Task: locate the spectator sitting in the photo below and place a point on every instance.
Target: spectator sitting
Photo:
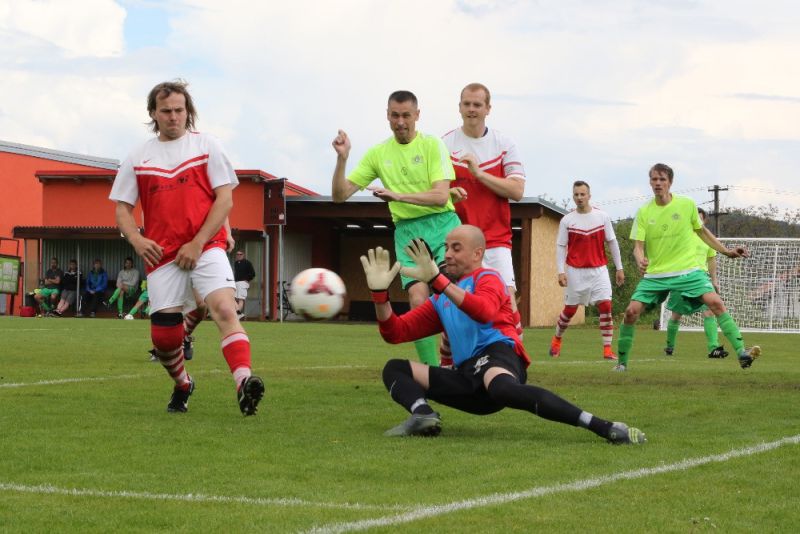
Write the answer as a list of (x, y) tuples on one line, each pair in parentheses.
[(47, 297), (127, 280), (69, 288), (96, 284), (143, 298)]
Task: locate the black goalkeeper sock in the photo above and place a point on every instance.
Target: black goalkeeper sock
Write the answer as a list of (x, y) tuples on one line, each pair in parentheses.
[(507, 390), (399, 381)]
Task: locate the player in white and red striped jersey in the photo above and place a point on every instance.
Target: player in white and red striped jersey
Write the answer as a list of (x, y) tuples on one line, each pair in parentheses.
[(184, 182), (489, 173), (582, 266)]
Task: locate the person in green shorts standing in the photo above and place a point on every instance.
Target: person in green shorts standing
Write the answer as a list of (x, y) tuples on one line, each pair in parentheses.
[(679, 306), (663, 234), (415, 171)]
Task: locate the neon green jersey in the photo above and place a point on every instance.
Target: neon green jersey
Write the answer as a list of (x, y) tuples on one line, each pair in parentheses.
[(704, 253), (409, 168), (669, 236)]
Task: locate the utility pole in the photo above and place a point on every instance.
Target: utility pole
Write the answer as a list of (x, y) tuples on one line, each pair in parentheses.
[(716, 189)]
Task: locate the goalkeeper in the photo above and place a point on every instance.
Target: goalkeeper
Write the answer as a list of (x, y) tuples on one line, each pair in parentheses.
[(490, 362), (663, 232)]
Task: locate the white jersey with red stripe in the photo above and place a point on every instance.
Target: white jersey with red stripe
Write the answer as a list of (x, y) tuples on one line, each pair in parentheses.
[(584, 235), (175, 181), (497, 155)]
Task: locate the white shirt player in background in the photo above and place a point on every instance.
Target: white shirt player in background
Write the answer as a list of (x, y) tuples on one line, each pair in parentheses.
[(582, 266), (489, 173), (184, 182)]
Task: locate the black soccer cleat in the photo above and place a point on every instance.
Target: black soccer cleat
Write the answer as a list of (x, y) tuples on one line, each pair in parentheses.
[(250, 394), (746, 356), (188, 348), (179, 402), (426, 425), (719, 352), (669, 350)]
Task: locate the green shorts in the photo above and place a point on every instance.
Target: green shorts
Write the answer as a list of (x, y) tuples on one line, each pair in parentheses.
[(432, 228), (688, 288), (45, 292), (143, 296)]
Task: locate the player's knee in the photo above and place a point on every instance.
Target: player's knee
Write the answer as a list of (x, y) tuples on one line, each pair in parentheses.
[(570, 310), (502, 389), (604, 306), (632, 313), (166, 330), (393, 368)]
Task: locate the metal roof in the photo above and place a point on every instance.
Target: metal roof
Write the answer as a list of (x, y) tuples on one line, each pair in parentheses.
[(58, 155)]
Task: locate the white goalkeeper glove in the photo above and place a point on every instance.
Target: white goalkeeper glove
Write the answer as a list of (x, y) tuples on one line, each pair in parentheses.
[(425, 268), (380, 272)]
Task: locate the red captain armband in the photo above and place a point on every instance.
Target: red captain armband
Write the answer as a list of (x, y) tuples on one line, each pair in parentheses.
[(439, 283), (380, 297)]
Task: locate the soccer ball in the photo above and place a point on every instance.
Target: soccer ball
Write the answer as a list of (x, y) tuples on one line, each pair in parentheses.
[(317, 293)]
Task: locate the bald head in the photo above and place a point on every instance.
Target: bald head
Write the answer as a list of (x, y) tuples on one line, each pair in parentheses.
[(465, 245)]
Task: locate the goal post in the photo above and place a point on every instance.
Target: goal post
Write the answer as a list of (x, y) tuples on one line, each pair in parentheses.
[(762, 292)]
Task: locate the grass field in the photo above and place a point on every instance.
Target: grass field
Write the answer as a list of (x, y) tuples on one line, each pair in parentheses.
[(87, 445)]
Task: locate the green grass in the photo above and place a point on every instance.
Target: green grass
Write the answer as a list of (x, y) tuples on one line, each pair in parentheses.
[(318, 437)]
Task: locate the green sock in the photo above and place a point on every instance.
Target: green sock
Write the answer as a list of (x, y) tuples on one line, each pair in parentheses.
[(672, 332), (428, 350), (731, 331), (114, 296), (120, 303), (46, 306), (625, 342), (710, 327)]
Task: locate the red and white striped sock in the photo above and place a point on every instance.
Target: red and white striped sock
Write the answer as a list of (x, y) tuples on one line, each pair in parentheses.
[(563, 319), (236, 350), (168, 343), (606, 322), (445, 352), (191, 320), (518, 323)]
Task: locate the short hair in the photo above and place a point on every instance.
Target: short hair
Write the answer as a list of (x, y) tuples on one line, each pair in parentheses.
[(475, 86), (129, 259), (73, 260), (702, 212), (54, 259), (579, 183), (662, 167), (98, 260), (403, 96), (163, 90)]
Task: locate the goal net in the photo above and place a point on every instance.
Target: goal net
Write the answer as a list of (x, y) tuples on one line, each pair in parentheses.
[(762, 292)]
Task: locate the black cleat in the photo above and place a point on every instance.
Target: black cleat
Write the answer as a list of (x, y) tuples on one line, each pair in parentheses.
[(747, 356), (669, 350), (188, 348), (719, 352), (250, 394), (179, 402), (153, 356)]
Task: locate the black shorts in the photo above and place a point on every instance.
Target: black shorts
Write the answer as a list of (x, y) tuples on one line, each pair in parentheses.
[(463, 388)]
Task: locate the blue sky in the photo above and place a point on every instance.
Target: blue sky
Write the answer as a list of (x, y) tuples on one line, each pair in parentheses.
[(594, 90)]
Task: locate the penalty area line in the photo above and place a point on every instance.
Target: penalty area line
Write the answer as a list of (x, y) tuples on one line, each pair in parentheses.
[(494, 499), (46, 489)]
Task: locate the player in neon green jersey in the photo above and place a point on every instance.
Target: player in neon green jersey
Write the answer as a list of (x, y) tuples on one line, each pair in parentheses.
[(663, 233), (707, 258), (416, 172)]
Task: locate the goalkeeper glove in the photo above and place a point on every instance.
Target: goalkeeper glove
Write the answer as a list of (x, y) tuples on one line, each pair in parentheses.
[(380, 273), (425, 268)]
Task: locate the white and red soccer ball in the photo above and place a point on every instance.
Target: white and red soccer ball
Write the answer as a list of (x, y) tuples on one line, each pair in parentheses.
[(317, 293)]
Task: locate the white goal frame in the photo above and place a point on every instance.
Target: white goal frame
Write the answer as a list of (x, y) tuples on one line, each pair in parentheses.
[(762, 292)]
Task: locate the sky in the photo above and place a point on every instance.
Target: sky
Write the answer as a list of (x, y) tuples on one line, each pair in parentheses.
[(596, 90)]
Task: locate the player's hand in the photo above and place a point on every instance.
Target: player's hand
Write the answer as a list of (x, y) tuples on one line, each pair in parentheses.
[(458, 194), (230, 244), (341, 144), (738, 252), (384, 194), (147, 249), (620, 276), (425, 268), (562, 279), (378, 268), (472, 163), (188, 255), (643, 263)]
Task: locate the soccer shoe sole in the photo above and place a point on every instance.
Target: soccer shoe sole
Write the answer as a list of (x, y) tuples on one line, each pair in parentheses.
[(429, 425), (250, 394), (752, 353)]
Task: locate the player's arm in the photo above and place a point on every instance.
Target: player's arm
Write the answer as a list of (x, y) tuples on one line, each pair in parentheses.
[(712, 241), (437, 195), (712, 272), (638, 254), (190, 252), (511, 187), (341, 187), (616, 257), (561, 262), (147, 249), (230, 241)]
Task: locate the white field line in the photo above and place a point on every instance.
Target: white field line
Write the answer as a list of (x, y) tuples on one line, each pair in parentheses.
[(46, 489), (594, 362), (58, 381), (578, 485)]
